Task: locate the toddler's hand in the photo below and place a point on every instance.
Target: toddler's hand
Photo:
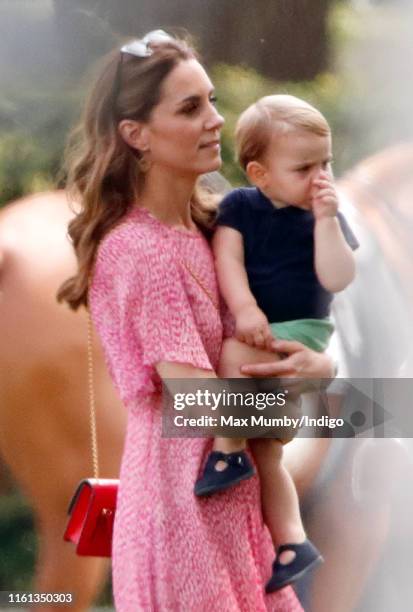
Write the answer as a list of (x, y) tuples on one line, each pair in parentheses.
[(325, 199), (251, 327)]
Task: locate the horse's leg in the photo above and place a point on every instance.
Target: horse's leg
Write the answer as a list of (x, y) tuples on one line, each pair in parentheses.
[(48, 451), (48, 487), (59, 569)]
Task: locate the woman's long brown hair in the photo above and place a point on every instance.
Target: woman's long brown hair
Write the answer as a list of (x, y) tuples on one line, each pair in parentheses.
[(103, 173)]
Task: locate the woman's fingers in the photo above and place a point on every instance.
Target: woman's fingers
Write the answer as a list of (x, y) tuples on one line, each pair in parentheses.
[(299, 362), (287, 346), (275, 368), (259, 339), (269, 342)]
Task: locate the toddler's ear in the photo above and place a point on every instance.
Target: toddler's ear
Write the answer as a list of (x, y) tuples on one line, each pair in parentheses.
[(257, 174)]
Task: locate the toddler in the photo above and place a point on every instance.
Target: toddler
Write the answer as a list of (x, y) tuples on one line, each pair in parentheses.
[(281, 249)]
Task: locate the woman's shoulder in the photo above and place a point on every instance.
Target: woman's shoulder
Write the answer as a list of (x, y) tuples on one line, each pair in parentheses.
[(134, 239)]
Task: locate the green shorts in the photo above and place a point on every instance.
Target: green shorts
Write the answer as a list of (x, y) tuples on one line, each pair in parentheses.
[(314, 333)]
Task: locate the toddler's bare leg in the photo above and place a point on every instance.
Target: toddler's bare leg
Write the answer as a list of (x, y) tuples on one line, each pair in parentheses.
[(234, 354), (279, 499)]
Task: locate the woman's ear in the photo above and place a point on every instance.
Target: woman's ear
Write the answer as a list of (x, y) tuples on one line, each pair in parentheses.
[(257, 174), (135, 134)]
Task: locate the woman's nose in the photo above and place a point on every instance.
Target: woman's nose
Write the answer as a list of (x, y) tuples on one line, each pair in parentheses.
[(215, 121)]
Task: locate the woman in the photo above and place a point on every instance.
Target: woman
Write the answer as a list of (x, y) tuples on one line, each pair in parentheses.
[(150, 129)]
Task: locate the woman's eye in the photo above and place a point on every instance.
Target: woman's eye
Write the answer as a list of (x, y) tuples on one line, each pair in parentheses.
[(193, 107), (190, 109), (303, 169)]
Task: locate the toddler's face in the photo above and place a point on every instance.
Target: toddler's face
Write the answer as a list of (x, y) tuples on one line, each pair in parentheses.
[(293, 161)]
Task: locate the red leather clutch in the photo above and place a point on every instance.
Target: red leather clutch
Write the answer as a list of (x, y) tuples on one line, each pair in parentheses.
[(92, 512)]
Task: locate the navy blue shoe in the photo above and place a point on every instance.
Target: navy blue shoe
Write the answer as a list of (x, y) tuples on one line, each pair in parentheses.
[(239, 467), (306, 557)]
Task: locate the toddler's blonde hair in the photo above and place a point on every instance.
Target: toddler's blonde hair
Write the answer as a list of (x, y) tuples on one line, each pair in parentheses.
[(278, 113)]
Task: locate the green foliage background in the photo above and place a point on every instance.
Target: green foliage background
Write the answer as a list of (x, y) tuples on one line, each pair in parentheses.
[(39, 102), (18, 543)]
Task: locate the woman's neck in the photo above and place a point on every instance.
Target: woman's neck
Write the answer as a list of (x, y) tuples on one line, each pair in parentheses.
[(168, 196)]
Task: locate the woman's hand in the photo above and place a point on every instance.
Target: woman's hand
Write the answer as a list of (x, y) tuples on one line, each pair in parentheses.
[(299, 362)]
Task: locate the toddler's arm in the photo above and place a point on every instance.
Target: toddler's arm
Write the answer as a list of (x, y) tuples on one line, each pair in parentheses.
[(251, 324), (334, 260)]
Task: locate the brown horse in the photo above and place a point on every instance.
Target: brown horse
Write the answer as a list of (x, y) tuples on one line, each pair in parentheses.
[(44, 434), (44, 430)]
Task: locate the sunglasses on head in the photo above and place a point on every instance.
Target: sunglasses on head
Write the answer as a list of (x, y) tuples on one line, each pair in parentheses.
[(143, 47), (140, 47)]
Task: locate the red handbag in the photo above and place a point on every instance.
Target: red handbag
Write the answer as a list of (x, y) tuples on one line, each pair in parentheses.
[(92, 512), (92, 508)]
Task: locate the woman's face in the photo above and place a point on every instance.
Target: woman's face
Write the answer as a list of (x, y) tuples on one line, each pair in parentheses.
[(183, 132)]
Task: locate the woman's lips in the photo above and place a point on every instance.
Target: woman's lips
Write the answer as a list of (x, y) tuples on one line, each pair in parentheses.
[(214, 144)]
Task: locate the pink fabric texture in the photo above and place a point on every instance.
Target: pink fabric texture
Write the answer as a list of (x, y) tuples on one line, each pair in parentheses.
[(172, 552)]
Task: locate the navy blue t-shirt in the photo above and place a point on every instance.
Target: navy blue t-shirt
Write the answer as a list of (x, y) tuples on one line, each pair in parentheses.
[(279, 254)]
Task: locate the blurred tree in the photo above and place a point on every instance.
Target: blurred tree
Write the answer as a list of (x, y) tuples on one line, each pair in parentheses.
[(82, 33), (18, 543), (283, 39), (5, 479)]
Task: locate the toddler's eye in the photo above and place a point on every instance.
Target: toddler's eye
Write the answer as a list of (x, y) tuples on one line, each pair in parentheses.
[(213, 100), (303, 170)]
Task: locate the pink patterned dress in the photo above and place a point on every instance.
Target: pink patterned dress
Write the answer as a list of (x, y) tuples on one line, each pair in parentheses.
[(172, 552)]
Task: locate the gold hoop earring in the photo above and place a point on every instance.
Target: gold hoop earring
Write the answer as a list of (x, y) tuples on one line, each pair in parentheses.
[(144, 162)]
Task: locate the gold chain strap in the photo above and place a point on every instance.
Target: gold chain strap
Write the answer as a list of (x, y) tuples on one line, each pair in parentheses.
[(92, 402), (200, 283)]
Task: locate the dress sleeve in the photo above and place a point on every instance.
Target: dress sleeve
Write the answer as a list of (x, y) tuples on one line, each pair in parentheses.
[(348, 232), (227, 318), (161, 314)]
